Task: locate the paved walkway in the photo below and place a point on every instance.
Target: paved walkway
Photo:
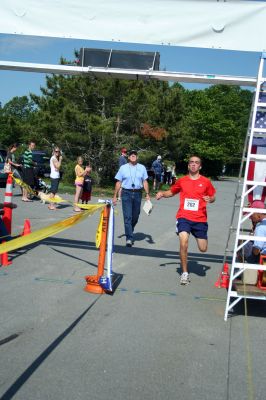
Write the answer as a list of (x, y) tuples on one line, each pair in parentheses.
[(152, 339)]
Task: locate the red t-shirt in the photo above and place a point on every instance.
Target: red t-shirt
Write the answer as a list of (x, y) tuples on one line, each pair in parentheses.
[(192, 206)]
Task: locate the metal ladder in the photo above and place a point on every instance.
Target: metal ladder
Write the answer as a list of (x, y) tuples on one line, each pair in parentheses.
[(256, 134)]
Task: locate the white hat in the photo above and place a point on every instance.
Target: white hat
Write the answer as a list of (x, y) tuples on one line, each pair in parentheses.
[(159, 157)]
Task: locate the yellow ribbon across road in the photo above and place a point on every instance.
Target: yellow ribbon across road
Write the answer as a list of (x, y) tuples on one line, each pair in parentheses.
[(50, 230)]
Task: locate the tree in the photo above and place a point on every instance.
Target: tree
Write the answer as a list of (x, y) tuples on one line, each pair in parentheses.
[(96, 117), (16, 119), (215, 125)]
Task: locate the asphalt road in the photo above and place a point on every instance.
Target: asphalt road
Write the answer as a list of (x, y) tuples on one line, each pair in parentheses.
[(152, 339)]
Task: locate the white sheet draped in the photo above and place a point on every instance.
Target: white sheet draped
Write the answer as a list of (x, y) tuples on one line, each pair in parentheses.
[(233, 25)]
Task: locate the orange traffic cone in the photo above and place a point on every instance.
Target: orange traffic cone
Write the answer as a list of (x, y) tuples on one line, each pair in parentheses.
[(223, 280), (7, 217), (225, 277), (26, 229), (4, 259), (93, 285), (218, 282)]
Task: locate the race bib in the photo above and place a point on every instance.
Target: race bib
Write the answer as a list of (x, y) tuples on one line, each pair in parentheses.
[(191, 204)]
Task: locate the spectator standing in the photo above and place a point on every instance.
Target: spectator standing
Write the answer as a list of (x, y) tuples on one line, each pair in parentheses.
[(173, 174), (157, 168), (168, 174), (55, 165), (196, 192), (132, 178), (123, 157), (87, 186), (11, 159), (80, 173), (28, 170)]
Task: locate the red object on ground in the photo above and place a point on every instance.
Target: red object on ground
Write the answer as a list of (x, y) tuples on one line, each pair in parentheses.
[(4, 259), (27, 228), (261, 274), (223, 280)]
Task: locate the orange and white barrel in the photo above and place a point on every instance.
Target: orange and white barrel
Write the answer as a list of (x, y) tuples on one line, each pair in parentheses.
[(7, 217)]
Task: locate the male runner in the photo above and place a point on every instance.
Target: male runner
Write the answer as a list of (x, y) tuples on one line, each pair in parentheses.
[(195, 192)]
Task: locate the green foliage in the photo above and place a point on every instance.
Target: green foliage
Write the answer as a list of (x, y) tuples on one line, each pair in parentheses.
[(95, 118), (215, 124)]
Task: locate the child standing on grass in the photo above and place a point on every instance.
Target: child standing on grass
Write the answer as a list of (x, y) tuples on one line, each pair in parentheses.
[(87, 186)]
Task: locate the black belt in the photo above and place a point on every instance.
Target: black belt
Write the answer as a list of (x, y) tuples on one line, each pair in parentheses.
[(132, 190)]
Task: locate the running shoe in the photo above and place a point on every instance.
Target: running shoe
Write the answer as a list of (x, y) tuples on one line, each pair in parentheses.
[(184, 278)]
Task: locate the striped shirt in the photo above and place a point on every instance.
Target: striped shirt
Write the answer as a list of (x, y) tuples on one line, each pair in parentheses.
[(27, 159)]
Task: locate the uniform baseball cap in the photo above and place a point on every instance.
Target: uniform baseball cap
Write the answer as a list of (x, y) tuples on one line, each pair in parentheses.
[(257, 204), (133, 152), (159, 157)]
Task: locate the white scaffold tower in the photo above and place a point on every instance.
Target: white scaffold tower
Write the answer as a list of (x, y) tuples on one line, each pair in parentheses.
[(253, 187)]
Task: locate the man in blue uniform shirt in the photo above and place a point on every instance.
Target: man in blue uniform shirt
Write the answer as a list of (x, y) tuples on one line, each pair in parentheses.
[(132, 178), (253, 249)]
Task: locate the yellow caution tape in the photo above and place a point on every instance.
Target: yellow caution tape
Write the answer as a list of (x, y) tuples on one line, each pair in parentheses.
[(23, 184), (44, 196), (56, 199), (98, 236), (50, 230)]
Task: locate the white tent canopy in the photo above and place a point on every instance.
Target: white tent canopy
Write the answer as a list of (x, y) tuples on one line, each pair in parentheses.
[(232, 25)]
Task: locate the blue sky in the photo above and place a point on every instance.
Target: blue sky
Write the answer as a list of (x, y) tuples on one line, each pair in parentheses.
[(49, 50)]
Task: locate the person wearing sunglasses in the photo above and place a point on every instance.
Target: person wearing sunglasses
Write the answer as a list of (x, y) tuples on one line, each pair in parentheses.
[(55, 165)]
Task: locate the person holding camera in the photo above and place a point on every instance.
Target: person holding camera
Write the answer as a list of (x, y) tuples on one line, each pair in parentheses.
[(55, 165)]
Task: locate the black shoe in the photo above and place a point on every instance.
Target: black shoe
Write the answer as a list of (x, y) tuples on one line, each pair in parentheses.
[(129, 243)]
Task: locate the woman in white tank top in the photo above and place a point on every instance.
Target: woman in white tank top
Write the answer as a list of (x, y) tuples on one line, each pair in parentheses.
[(55, 165)]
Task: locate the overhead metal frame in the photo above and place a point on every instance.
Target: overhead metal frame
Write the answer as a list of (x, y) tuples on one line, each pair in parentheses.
[(120, 73)]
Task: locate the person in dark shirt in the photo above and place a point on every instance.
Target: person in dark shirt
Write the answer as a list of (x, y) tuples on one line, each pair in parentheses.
[(87, 186), (11, 159), (123, 157), (157, 168)]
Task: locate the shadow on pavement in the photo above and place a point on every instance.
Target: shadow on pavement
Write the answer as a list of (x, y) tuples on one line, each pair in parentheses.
[(116, 280), (195, 268), (255, 308), (136, 251), (22, 379), (75, 257)]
